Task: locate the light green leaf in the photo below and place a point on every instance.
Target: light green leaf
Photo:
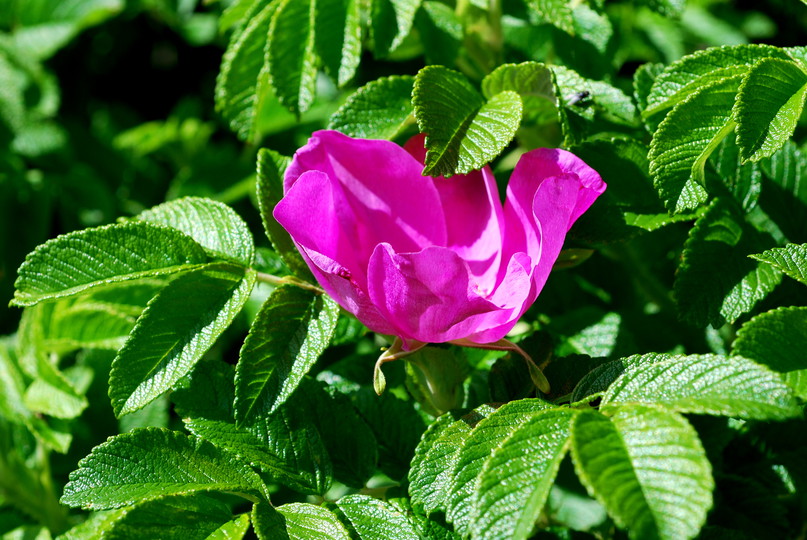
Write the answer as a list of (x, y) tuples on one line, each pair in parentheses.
[(743, 180), (52, 394), (611, 102), (101, 257), (488, 435), (778, 339), (668, 8), (291, 54), (705, 384), (555, 12), (310, 522), (516, 479), (390, 23), (378, 110), (338, 37), (686, 138), (150, 463), (292, 329), (790, 259), (240, 85), (648, 468), (716, 281), (271, 167), (214, 225), (177, 327), (437, 454), (532, 81), (684, 77), (177, 517), (463, 131), (769, 105), (374, 519), (600, 378), (232, 530)]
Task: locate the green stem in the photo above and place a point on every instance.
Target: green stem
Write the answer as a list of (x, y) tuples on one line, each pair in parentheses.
[(277, 281)]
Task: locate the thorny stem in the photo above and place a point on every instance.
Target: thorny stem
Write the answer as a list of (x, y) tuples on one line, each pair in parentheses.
[(288, 280)]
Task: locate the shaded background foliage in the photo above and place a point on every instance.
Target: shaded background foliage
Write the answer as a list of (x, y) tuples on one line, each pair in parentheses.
[(108, 108)]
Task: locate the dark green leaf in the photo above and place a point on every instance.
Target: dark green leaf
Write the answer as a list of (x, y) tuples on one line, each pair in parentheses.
[(649, 469), (151, 463), (743, 180), (101, 257), (177, 327), (390, 23), (778, 340), (768, 106), (378, 110), (790, 259), (784, 194), (292, 329), (440, 30), (291, 54), (463, 130), (338, 37)]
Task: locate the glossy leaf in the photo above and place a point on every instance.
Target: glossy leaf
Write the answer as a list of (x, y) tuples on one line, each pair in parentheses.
[(307, 521), (375, 519), (790, 259), (338, 37), (377, 110), (292, 55), (390, 23)]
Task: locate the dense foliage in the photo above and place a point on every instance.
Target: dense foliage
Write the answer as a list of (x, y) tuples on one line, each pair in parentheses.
[(170, 369)]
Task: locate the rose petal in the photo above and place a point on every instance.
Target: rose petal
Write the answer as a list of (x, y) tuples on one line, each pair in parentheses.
[(382, 189)]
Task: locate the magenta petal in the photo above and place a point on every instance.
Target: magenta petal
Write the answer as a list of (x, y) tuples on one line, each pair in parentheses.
[(429, 295), (382, 189)]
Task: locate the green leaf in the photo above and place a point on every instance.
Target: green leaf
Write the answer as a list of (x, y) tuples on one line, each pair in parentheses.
[(743, 180), (532, 81), (769, 105), (777, 340), (390, 23), (463, 130), (292, 55), (52, 394), (240, 85), (600, 378), (790, 259), (375, 519), (441, 32), (516, 479), (668, 8), (556, 12), (101, 257), (177, 327), (307, 521), (784, 195), (716, 281), (705, 384), (338, 37), (287, 336), (150, 463), (488, 435), (214, 225), (178, 517), (647, 467), (271, 167), (377, 110), (677, 157), (437, 454), (684, 77)]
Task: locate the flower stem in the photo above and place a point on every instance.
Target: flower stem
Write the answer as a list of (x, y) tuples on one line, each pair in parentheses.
[(277, 281)]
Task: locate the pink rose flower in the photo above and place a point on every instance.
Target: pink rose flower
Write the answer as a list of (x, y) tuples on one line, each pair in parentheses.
[(430, 259)]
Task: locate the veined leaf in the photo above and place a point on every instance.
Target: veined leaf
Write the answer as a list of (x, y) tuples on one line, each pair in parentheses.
[(743, 180), (705, 384), (532, 81), (488, 435), (150, 463), (292, 329), (716, 281), (52, 394), (516, 479), (778, 339), (310, 522), (463, 131), (790, 259), (768, 106), (177, 517), (338, 37), (600, 378), (784, 197), (686, 138), (271, 167), (648, 468), (177, 327), (374, 519), (556, 12), (238, 87), (436, 456), (214, 225), (292, 55), (682, 78), (440, 30), (378, 110), (390, 23), (100, 257)]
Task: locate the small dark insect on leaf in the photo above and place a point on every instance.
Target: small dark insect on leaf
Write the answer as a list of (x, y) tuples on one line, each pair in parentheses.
[(578, 98)]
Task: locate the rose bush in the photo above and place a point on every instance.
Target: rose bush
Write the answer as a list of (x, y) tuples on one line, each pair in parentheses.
[(430, 259)]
